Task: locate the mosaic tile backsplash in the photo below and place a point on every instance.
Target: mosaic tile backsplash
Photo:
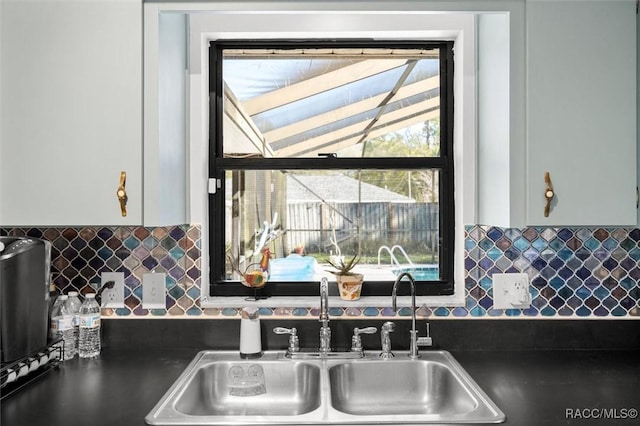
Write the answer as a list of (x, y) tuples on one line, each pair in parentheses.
[(574, 272)]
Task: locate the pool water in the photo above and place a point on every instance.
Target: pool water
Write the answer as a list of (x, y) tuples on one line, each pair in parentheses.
[(420, 272)]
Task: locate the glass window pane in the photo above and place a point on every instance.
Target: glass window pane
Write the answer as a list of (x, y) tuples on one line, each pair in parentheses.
[(388, 218), (297, 103)]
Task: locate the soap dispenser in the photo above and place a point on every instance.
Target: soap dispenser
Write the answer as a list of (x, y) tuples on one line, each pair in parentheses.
[(250, 341)]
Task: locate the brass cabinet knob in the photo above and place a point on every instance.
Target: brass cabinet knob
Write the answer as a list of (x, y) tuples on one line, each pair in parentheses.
[(121, 193)]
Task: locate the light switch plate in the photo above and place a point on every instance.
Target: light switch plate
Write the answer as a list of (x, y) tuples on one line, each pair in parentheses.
[(153, 290), (511, 291), (113, 297)]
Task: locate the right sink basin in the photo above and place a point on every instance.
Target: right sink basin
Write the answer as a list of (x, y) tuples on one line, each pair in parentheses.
[(398, 387), (433, 389)]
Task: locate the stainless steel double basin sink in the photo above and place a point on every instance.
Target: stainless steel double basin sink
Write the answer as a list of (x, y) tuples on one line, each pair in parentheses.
[(220, 388)]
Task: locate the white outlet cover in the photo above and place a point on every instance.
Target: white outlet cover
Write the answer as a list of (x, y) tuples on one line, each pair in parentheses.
[(113, 297), (511, 291), (153, 291)]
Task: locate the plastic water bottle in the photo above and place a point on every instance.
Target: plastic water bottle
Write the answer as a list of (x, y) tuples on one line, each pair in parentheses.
[(62, 326), (89, 344), (73, 305)]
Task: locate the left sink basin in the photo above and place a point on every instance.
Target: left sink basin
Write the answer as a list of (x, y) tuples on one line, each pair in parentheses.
[(220, 388)]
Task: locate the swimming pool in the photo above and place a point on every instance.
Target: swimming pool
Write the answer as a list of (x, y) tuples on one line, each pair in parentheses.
[(420, 272)]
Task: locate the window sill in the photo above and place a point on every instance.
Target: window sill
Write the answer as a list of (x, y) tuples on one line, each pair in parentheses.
[(334, 301)]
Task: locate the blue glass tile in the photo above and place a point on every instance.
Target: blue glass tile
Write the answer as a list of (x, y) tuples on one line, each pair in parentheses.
[(469, 244), (511, 254), (485, 244), (574, 263), (265, 312), (539, 302), (167, 262), (635, 234), (556, 283), (583, 273), (229, 312), (194, 311), (628, 303), (513, 312), (105, 233), (485, 264), (158, 312), (494, 234), (371, 312), (556, 263), (565, 311), (539, 282), (539, 244), (548, 311), (300, 312), (610, 303), (193, 292), (601, 254), (131, 243), (530, 312), (610, 264), (628, 244), (565, 293), (441, 312), (565, 254), (123, 312), (538, 263), (469, 264), (582, 254), (565, 273), (477, 312), (627, 283), (176, 292), (150, 263), (610, 244), (548, 273), (556, 244), (460, 312), (494, 253), (521, 244), (583, 292), (592, 244), (583, 311), (150, 243), (495, 312), (336, 312), (176, 253), (619, 312), (404, 312), (556, 302), (512, 233), (601, 293), (486, 283), (565, 234)]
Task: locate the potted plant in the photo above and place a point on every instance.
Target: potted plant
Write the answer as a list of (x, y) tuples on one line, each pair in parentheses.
[(349, 282)]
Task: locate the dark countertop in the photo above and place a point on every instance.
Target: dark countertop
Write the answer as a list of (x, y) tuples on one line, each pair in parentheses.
[(531, 387)]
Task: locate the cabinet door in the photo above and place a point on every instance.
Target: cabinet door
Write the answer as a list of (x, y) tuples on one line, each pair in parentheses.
[(71, 111), (581, 111)]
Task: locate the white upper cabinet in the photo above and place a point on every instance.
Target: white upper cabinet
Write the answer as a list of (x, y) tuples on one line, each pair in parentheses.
[(71, 117), (581, 112)]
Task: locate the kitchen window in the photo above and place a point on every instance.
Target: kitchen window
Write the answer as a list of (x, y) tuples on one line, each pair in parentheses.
[(331, 149)]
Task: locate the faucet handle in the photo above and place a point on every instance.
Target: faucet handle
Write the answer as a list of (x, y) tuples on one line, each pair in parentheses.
[(426, 340), (294, 342), (356, 342)]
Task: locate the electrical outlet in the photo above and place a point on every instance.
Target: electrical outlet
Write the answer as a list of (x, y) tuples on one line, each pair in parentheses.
[(153, 291), (113, 297), (511, 291)]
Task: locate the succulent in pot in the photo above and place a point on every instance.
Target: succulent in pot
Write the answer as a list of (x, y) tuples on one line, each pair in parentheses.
[(349, 282)]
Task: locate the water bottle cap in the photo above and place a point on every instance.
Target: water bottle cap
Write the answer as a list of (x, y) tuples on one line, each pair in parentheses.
[(63, 297), (73, 293), (90, 295)]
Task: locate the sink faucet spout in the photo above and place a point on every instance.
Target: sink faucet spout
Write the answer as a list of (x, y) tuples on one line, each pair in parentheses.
[(413, 349), (325, 331)]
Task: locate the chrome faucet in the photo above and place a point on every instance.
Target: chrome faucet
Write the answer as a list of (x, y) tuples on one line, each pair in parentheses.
[(325, 331), (385, 341), (415, 341)]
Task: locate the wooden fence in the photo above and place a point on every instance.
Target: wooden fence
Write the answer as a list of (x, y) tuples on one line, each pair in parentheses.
[(411, 225)]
